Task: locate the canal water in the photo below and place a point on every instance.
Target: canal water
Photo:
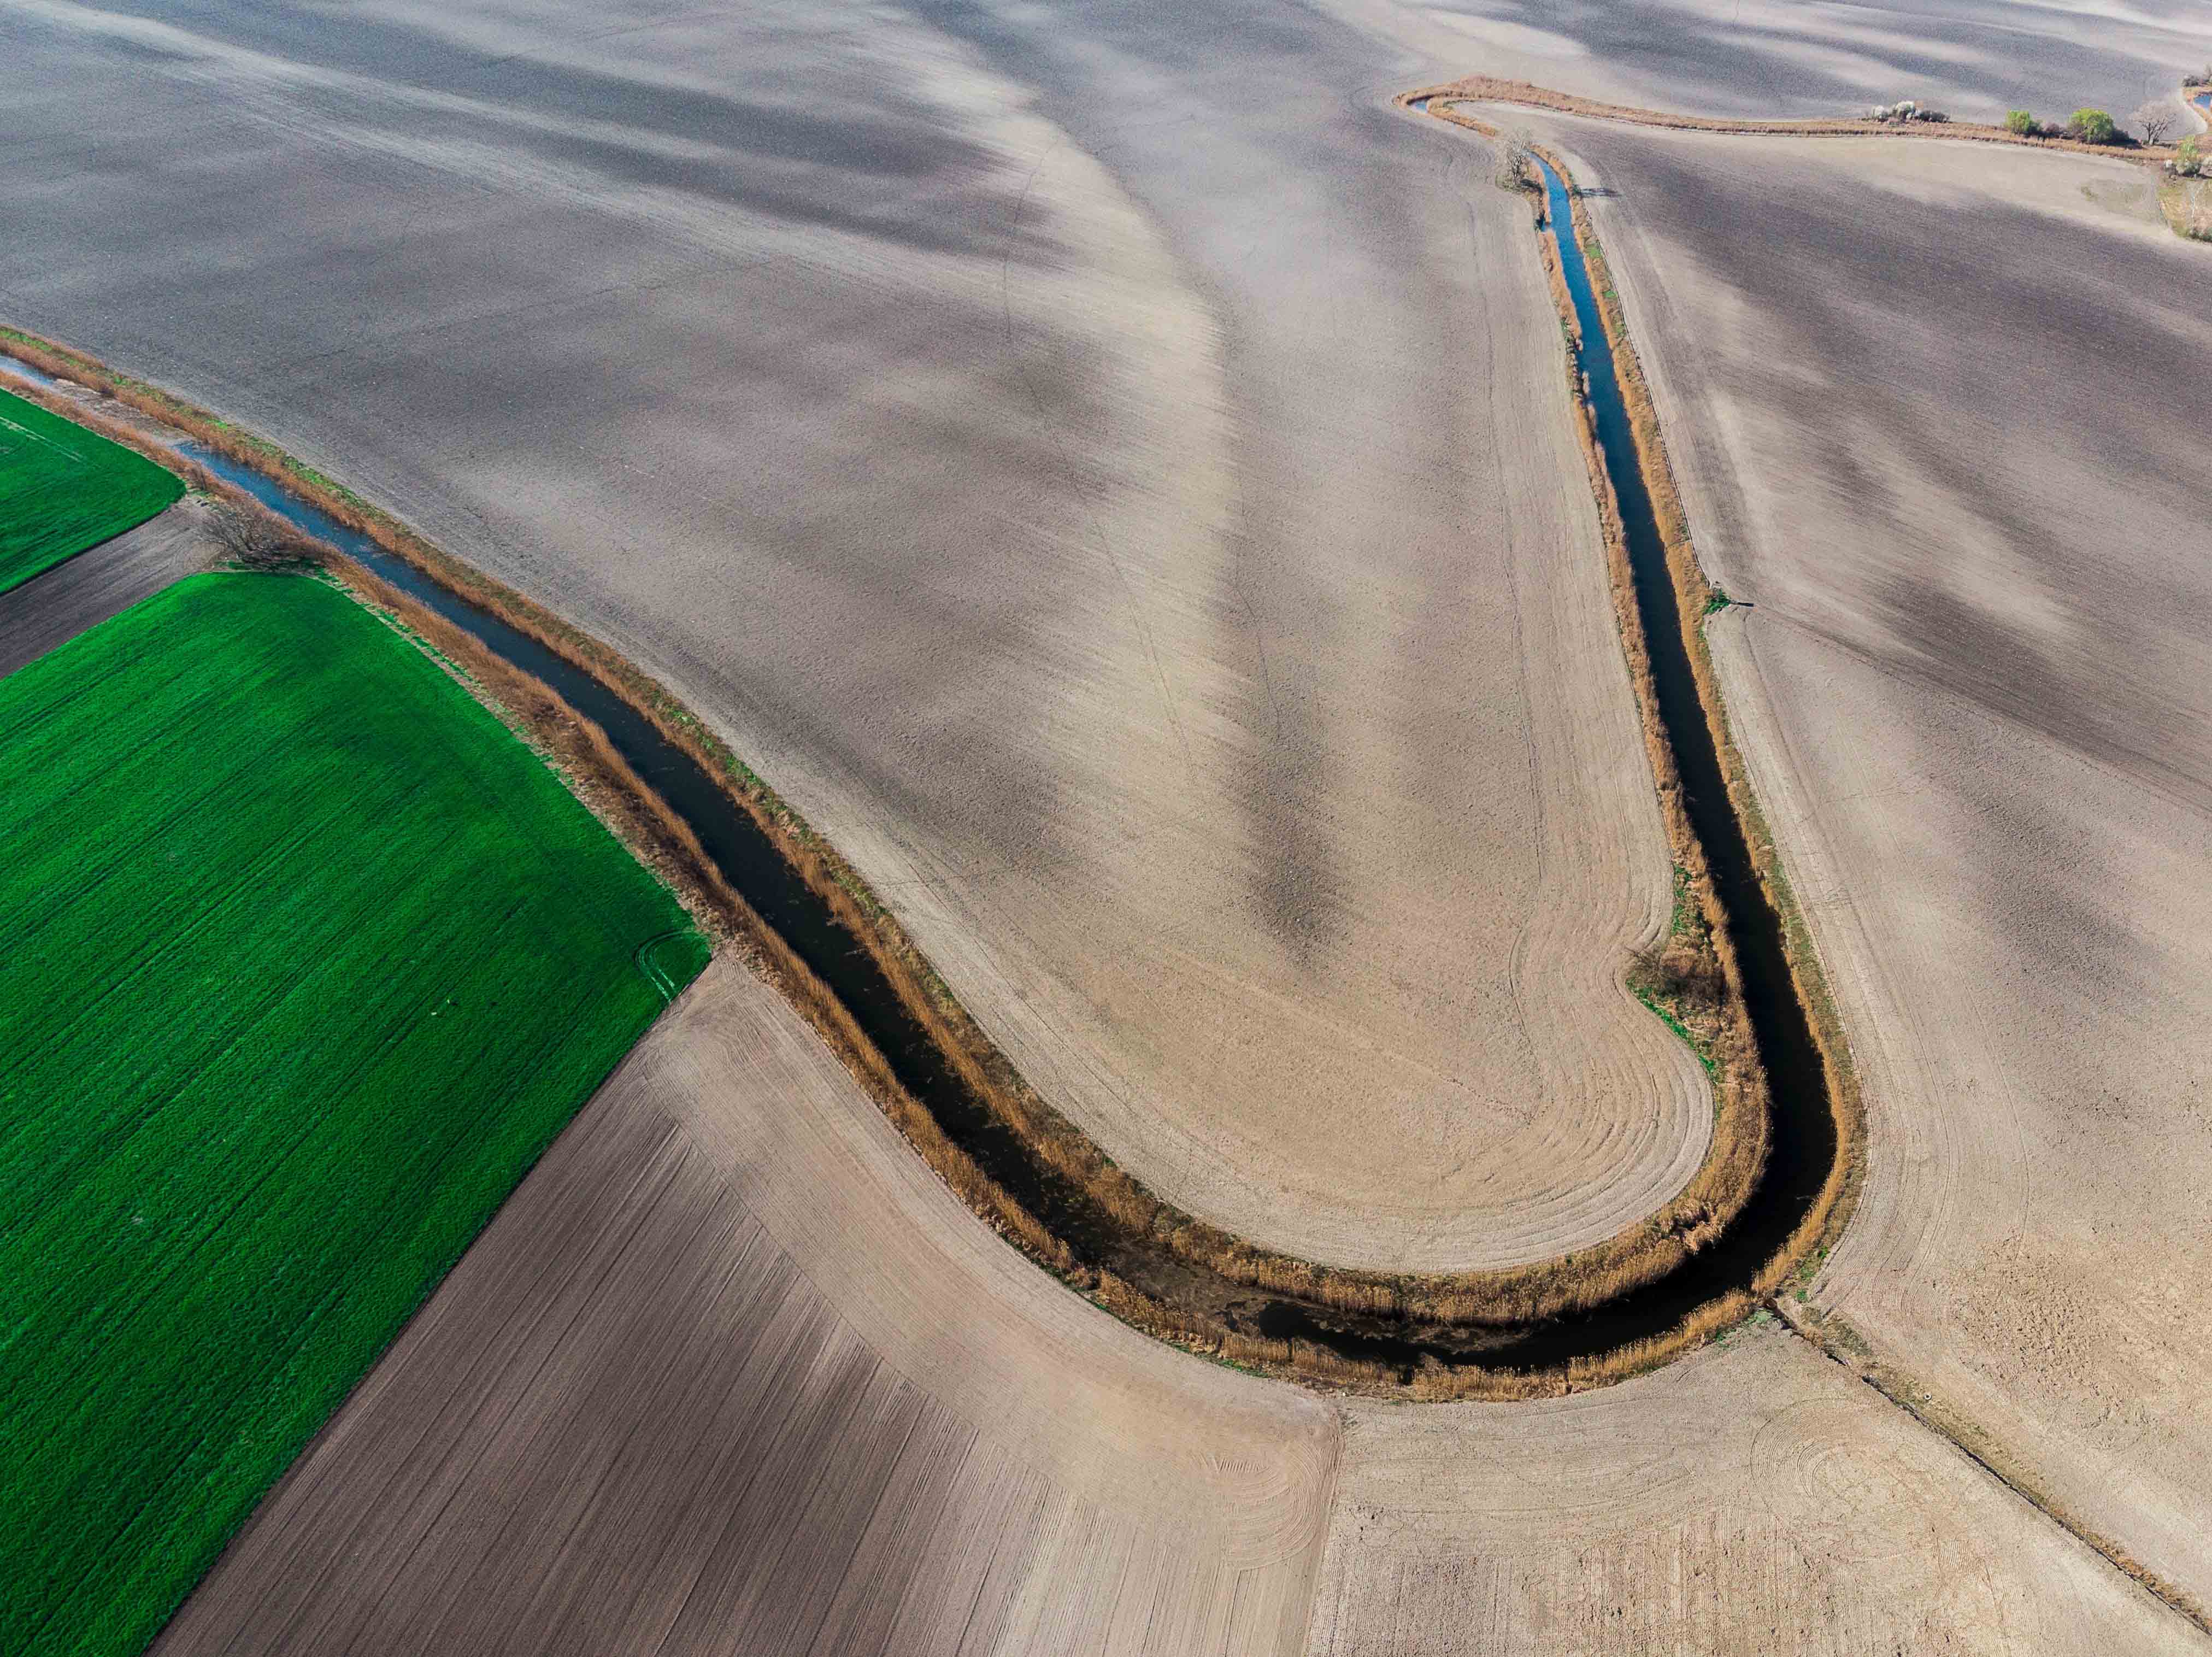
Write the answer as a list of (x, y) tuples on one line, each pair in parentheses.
[(1804, 1144), (1804, 1138)]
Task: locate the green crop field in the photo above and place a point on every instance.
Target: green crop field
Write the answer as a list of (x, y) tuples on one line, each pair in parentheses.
[(309, 959), (64, 489)]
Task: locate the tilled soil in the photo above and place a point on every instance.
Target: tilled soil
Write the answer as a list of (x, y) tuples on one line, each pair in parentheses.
[(102, 581), (1751, 1501), (1164, 568), (731, 1373), (1937, 418)]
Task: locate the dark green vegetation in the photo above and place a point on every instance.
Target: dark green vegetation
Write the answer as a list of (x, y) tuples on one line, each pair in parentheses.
[(1678, 981), (64, 489), (309, 959), (2092, 126)]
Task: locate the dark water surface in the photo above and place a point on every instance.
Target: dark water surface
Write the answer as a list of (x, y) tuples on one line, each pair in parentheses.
[(1804, 1143)]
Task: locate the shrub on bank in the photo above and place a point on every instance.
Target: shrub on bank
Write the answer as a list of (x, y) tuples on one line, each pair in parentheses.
[(1905, 109), (2091, 126), (2021, 124)]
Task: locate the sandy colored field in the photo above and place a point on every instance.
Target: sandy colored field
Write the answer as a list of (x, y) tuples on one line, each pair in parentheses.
[(1935, 418), (1164, 570), (1141, 573), (733, 1372), (56, 607), (732, 1375), (1752, 1501), (1974, 58)]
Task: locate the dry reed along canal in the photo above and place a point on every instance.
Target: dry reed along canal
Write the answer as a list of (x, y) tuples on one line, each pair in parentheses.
[(1804, 1142)]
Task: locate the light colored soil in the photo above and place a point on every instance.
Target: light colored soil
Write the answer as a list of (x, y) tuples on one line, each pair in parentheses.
[(1174, 587), (731, 1373), (771, 356), (1937, 413), (1972, 59), (1755, 1501), (102, 581)]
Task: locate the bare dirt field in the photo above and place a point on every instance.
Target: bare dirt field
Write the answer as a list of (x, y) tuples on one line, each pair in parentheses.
[(1754, 1501), (1974, 58), (107, 579), (733, 1372), (1114, 475), (1933, 409), (1164, 568)]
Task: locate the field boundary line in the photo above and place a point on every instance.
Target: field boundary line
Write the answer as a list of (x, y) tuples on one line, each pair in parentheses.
[(1696, 599), (1835, 1339), (1510, 1299), (1488, 90)]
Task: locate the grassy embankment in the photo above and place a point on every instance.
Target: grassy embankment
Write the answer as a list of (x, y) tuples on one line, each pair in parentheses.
[(1665, 979), (1589, 1277), (1696, 601), (64, 489), (1483, 89), (310, 961), (2187, 201)]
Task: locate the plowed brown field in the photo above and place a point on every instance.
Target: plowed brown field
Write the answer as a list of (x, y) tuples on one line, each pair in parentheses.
[(1177, 593), (1751, 1501), (90, 588), (1935, 415), (733, 1372)]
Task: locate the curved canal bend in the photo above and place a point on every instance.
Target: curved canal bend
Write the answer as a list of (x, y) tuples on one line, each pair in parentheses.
[(1803, 1141)]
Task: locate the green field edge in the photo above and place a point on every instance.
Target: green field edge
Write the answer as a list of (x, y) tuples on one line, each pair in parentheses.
[(51, 513), (663, 970), (649, 697)]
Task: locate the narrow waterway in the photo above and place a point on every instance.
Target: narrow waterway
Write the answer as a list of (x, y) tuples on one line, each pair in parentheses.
[(1804, 1143), (748, 859)]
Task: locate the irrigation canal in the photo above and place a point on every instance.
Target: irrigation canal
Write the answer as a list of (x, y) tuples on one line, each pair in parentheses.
[(1803, 1139)]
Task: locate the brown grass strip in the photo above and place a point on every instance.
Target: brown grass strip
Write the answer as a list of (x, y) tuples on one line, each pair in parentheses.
[(1501, 1298), (1483, 89), (1832, 1210)]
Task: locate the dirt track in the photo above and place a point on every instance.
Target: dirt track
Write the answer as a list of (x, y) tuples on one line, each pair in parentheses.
[(1175, 592)]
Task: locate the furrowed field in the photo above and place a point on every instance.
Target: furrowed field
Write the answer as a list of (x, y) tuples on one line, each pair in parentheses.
[(309, 959), (64, 489)]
